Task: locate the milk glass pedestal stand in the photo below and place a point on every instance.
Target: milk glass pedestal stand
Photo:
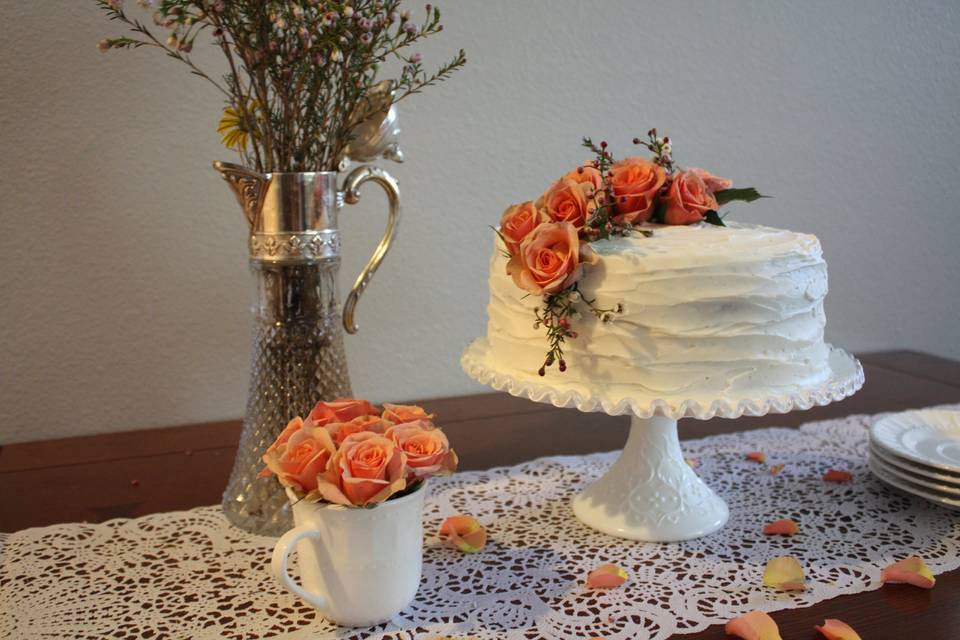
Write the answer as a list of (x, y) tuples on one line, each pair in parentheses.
[(651, 493)]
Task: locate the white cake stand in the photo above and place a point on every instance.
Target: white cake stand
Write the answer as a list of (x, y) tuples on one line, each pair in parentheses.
[(650, 493)]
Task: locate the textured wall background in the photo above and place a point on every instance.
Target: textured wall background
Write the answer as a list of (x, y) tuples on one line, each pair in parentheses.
[(124, 288)]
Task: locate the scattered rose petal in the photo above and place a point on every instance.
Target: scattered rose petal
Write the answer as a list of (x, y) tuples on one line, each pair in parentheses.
[(784, 527), (464, 533), (784, 573), (835, 475), (755, 625), (606, 576), (693, 463), (910, 571), (757, 456), (834, 629), (775, 469)]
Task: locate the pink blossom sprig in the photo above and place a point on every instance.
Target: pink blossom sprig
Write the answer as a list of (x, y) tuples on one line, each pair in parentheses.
[(299, 71)]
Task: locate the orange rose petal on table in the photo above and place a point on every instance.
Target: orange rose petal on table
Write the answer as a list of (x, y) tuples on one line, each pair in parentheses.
[(776, 469), (835, 475), (910, 571), (606, 576), (755, 625), (784, 573), (464, 533), (834, 629), (784, 527), (757, 456)]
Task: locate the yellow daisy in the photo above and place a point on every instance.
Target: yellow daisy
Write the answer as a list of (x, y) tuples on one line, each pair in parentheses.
[(235, 131)]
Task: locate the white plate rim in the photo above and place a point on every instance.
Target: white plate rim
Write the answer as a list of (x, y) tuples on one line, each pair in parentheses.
[(918, 415), (947, 490), (952, 479), (903, 485)]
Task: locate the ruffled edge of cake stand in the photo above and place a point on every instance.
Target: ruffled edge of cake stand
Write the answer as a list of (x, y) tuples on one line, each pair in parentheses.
[(846, 378)]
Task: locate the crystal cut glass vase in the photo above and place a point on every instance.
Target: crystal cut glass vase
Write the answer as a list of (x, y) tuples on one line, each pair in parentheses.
[(298, 354)]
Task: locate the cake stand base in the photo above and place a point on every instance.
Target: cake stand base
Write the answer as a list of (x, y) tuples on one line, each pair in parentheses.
[(651, 493)]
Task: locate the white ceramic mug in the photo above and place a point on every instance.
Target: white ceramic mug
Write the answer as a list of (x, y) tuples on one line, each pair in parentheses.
[(359, 566)]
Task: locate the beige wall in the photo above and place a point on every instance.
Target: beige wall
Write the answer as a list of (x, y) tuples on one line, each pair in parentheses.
[(124, 288)]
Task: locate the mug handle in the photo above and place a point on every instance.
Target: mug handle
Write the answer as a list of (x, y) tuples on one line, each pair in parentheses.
[(281, 559), (351, 189)]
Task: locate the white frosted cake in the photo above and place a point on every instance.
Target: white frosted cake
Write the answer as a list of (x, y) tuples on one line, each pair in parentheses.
[(706, 310)]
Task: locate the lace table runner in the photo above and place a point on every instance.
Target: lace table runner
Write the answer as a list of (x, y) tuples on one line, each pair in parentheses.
[(191, 575)]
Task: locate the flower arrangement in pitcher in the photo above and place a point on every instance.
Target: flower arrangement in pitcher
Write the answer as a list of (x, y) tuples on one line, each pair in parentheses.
[(301, 75), (351, 453), (547, 241)]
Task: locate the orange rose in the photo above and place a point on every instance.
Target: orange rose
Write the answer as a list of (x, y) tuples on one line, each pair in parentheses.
[(400, 413), (292, 427), (636, 182), (340, 430), (427, 449), (518, 221), (340, 410), (687, 199), (550, 259), (566, 201), (367, 469), (714, 183), (586, 174), (301, 459)]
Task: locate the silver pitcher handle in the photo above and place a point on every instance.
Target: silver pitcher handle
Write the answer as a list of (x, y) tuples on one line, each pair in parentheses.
[(351, 188)]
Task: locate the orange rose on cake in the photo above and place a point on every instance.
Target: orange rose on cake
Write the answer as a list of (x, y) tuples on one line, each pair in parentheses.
[(688, 199), (367, 469), (586, 174), (550, 259), (426, 447), (714, 183), (566, 201), (636, 182), (518, 221)]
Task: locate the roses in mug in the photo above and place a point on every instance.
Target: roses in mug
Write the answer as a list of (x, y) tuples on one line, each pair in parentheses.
[(349, 452), (547, 240)]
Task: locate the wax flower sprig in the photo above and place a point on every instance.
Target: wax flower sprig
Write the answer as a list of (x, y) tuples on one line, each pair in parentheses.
[(547, 241), (558, 310)]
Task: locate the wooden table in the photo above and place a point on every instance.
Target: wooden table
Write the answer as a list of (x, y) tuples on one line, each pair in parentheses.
[(133, 473)]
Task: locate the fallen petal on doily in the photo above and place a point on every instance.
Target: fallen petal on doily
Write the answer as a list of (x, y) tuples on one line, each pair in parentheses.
[(755, 625), (784, 573), (606, 576), (784, 527), (910, 571), (693, 463), (464, 533), (834, 629), (776, 469), (835, 475), (757, 456)]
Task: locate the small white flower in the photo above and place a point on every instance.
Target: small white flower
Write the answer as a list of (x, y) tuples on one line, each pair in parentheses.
[(606, 317), (575, 296)]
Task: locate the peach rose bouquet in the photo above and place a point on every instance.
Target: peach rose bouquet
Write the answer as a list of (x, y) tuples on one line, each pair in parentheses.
[(547, 240), (351, 453)]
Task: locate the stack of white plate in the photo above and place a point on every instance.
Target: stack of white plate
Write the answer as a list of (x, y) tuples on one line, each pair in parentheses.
[(919, 452)]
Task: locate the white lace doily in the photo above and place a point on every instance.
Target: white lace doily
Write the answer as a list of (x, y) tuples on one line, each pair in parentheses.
[(191, 575), (846, 378)]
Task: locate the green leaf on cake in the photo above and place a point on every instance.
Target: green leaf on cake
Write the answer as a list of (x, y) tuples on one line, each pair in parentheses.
[(712, 217), (748, 194)]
